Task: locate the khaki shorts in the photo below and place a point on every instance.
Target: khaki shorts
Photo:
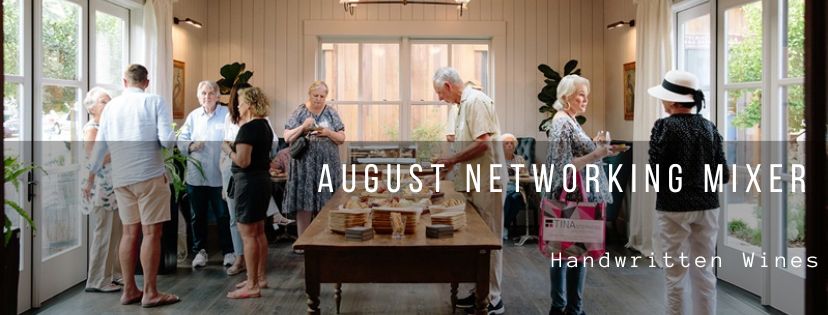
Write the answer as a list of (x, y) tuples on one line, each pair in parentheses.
[(146, 202)]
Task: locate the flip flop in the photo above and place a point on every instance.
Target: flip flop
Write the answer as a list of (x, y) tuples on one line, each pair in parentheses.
[(166, 299), (134, 300)]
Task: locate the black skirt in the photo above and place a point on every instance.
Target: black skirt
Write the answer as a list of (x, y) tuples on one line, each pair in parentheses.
[(252, 192)]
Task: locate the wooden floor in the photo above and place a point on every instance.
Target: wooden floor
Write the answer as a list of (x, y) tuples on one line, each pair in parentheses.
[(525, 291)]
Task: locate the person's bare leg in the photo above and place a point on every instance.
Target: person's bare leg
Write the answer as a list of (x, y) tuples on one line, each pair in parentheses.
[(262, 240), (128, 255), (303, 220), (150, 255), (251, 260)]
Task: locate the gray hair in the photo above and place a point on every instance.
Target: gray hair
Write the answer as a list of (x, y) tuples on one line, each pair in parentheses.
[(206, 83), (93, 95), (447, 74), (568, 86), (508, 137)]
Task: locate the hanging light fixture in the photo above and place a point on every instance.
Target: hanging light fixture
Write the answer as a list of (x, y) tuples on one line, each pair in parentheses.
[(351, 4)]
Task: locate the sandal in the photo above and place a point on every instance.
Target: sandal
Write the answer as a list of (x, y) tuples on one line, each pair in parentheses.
[(165, 299), (233, 270), (242, 294), (262, 284)]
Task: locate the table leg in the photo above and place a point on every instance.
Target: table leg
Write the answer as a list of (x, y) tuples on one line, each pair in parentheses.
[(312, 284), (453, 296), (338, 295), (482, 285)]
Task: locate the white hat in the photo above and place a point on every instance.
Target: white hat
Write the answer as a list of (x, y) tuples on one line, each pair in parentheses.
[(678, 86)]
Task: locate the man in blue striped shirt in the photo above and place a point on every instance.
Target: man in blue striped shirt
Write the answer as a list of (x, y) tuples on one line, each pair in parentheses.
[(134, 127)]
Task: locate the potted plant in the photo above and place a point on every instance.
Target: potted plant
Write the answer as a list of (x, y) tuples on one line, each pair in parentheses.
[(232, 76), (549, 93), (9, 267)]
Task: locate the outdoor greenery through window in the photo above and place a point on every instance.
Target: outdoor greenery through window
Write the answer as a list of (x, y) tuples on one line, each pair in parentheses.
[(366, 86)]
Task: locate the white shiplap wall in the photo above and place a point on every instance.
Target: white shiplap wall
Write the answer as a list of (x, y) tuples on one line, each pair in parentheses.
[(268, 36)]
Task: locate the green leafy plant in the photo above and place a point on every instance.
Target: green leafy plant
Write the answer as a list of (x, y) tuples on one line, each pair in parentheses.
[(233, 75), (13, 171), (176, 164), (549, 93)]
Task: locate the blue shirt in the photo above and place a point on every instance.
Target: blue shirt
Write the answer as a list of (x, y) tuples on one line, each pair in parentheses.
[(134, 127), (209, 128)]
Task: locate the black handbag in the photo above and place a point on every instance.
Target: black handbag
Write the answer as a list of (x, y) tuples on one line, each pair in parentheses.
[(299, 146)]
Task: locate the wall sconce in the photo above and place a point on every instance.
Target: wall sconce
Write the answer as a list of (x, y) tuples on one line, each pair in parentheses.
[(618, 24), (190, 21)]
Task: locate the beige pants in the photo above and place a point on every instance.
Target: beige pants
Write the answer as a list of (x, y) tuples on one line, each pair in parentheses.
[(693, 234), (104, 266), (490, 207)]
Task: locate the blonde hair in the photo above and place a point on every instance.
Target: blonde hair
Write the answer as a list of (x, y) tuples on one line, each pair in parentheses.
[(316, 85), (568, 86), (254, 97)]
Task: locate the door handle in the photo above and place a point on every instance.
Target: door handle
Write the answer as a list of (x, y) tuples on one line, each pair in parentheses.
[(31, 186)]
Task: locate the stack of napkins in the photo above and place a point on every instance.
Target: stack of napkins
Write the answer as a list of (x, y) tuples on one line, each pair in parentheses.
[(359, 233), (456, 220), (439, 231), (340, 220)]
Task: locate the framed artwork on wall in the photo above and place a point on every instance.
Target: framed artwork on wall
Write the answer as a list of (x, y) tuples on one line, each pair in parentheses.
[(629, 90), (178, 89)]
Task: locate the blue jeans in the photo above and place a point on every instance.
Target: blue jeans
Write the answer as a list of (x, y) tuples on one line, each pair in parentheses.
[(568, 287), (203, 199)]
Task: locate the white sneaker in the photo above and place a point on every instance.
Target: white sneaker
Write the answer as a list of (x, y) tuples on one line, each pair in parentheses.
[(229, 259), (200, 259), (275, 227)]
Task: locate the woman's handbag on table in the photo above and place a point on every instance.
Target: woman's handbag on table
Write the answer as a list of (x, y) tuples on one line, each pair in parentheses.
[(570, 228)]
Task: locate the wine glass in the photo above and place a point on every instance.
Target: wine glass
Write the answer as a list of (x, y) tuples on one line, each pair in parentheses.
[(603, 139)]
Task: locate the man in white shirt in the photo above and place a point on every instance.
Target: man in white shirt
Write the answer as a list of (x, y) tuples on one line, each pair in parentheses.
[(476, 126), (200, 139), (134, 127)]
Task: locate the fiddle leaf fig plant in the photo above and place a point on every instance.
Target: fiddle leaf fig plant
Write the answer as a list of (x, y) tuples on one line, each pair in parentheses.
[(233, 75), (549, 93)]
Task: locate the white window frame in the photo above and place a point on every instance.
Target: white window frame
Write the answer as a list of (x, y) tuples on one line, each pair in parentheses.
[(494, 33), (405, 101)]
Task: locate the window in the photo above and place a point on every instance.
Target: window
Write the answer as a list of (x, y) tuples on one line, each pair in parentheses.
[(111, 39), (14, 96), (377, 93)]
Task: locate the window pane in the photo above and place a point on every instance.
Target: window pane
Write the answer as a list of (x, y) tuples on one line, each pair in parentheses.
[(743, 210), (425, 60), (60, 227), (380, 123), (340, 66), (12, 146), (57, 117), (429, 122), (381, 72), (350, 118), (109, 48), (12, 38), (743, 26), (794, 103), (12, 114), (694, 53), (795, 225), (472, 62), (793, 47), (61, 39)]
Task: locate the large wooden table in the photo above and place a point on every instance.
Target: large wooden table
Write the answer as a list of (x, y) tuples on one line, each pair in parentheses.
[(330, 258)]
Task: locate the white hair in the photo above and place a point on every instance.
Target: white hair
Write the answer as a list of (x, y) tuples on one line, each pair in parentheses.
[(568, 86), (447, 74), (206, 83), (508, 137), (93, 95)]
